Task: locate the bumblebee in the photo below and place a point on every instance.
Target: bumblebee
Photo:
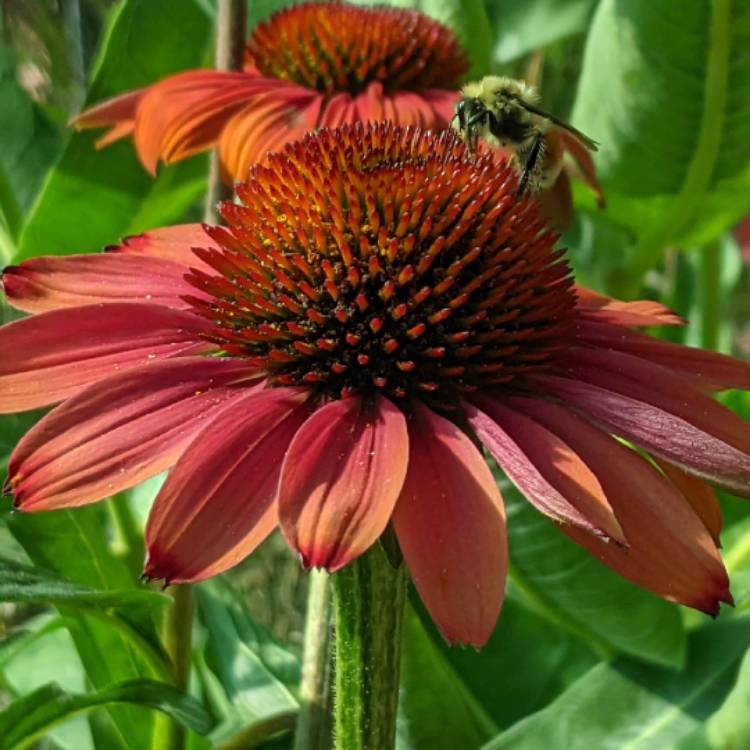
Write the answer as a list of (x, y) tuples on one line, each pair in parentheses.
[(505, 113)]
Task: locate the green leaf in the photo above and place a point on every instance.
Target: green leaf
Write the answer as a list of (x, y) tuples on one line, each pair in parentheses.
[(32, 585), (29, 143), (19, 640), (736, 555), (31, 716), (575, 591), (429, 688), (729, 727), (144, 42), (259, 675), (521, 28), (626, 705), (669, 111), (112, 649), (543, 660), (44, 652)]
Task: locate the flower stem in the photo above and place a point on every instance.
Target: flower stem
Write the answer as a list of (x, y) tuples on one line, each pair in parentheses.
[(231, 26), (179, 629), (314, 723), (370, 594), (710, 278)]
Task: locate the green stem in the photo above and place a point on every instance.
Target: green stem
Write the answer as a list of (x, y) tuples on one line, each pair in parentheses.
[(314, 723), (178, 643), (370, 595), (711, 295), (231, 27)]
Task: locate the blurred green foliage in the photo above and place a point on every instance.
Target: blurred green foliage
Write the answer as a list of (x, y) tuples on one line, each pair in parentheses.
[(579, 659)]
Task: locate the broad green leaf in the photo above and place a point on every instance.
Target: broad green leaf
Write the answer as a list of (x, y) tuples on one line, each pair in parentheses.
[(14, 644), (31, 716), (146, 40), (729, 727), (431, 688), (543, 660), (32, 585), (575, 591), (521, 28), (41, 653), (29, 144), (626, 705), (664, 89), (73, 545), (736, 555), (259, 675)]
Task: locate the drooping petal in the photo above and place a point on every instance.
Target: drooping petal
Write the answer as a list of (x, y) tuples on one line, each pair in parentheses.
[(51, 283), (700, 496), (709, 370), (271, 120), (341, 478), (120, 431), (219, 501), (450, 523), (173, 243), (594, 306), (442, 102), (185, 113), (557, 203), (671, 553), (584, 163), (544, 468), (56, 354), (118, 112), (659, 411)]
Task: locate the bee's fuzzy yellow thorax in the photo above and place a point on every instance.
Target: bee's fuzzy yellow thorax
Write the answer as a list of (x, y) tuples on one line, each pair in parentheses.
[(490, 87)]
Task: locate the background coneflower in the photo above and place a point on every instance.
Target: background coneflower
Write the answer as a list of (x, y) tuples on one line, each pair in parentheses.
[(310, 66)]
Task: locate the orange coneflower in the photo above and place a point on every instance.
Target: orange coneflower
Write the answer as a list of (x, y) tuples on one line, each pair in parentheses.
[(380, 304), (310, 66)]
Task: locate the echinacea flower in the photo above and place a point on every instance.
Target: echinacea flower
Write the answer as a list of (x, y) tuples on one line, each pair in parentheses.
[(309, 66), (380, 304)]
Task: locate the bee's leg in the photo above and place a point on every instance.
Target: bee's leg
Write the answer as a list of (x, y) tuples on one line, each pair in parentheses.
[(533, 166)]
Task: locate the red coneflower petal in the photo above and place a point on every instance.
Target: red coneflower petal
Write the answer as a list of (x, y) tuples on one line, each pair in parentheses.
[(594, 306), (661, 412), (270, 121), (709, 370), (173, 243), (185, 113), (119, 112), (51, 283), (341, 478), (700, 496), (57, 353), (557, 202), (671, 553), (546, 470), (120, 431), (441, 102), (219, 502), (450, 523), (584, 164)]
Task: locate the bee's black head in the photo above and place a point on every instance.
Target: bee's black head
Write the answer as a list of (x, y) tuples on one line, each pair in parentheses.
[(471, 114)]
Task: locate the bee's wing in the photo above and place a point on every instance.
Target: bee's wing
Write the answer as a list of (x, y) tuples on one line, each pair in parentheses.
[(589, 143)]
